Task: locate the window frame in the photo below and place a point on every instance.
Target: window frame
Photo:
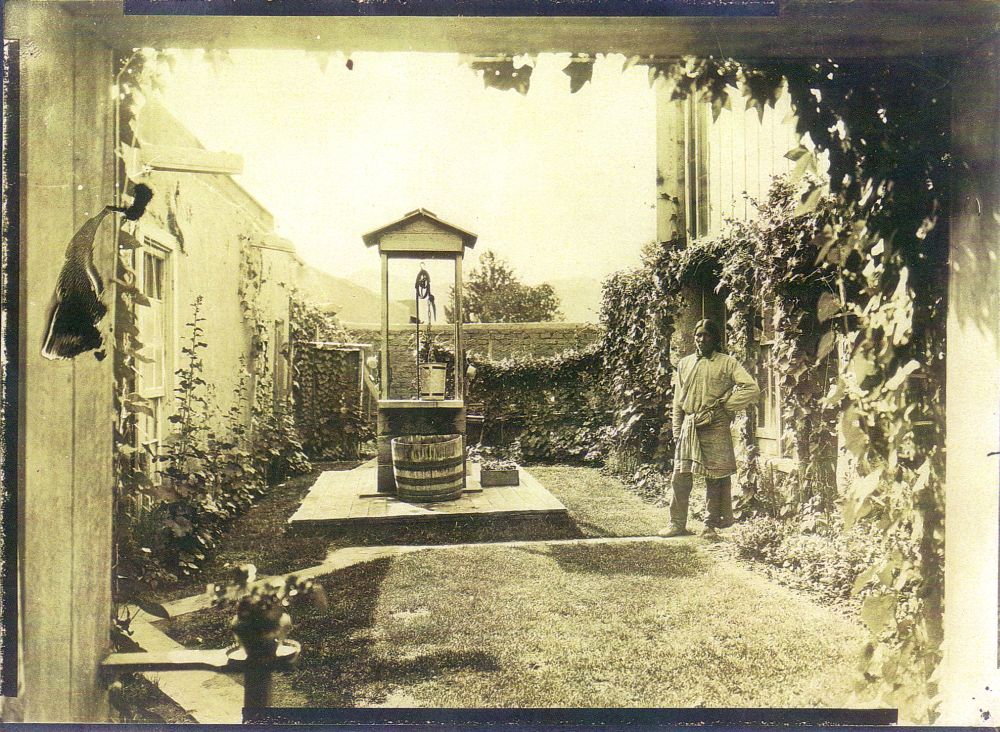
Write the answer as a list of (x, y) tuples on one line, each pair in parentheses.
[(161, 245)]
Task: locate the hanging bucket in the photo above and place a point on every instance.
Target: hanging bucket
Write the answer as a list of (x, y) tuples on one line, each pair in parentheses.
[(432, 379), (428, 467)]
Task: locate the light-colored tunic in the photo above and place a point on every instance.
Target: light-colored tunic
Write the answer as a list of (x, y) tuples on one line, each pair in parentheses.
[(699, 382)]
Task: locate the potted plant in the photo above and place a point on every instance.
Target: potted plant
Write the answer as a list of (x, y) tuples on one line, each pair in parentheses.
[(261, 621), (498, 466)]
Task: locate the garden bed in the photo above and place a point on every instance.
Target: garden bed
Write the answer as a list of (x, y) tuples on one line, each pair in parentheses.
[(258, 537)]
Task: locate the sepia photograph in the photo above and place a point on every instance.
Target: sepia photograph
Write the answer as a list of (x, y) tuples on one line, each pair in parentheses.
[(588, 363)]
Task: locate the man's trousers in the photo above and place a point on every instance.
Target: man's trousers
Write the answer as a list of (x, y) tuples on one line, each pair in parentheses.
[(718, 501)]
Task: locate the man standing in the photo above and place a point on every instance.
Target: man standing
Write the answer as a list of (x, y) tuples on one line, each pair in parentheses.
[(709, 388)]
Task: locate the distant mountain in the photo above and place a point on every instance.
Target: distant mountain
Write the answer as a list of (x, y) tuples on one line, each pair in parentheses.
[(352, 303), (579, 298), (402, 293)]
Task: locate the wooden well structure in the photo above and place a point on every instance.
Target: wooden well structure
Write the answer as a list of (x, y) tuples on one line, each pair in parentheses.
[(419, 235)]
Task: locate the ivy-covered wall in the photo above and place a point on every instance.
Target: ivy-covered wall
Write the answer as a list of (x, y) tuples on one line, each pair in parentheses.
[(490, 341), (328, 401)]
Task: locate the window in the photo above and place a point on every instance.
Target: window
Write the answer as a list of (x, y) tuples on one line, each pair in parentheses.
[(154, 332), (769, 425)]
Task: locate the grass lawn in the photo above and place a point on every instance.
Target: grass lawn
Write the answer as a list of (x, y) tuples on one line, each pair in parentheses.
[(629, 624), (598, 505)]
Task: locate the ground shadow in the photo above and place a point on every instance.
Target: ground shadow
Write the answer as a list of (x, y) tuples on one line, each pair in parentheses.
[(461, 530), (643, 559), (339, 666)]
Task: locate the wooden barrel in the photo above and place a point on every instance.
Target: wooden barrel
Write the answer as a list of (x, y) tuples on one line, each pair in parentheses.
[(432, 380), (428, 467)]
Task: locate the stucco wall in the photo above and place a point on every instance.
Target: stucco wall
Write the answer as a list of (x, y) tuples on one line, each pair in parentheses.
[(211, 225), (487, 340)]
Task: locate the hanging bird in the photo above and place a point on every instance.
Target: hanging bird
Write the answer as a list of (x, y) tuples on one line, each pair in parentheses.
[(78, 307)]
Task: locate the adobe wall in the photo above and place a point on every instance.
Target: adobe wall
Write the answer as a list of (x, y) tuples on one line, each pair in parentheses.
[(214, 230)]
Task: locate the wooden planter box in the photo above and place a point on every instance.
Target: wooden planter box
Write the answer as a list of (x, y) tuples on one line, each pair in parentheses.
[(489, 478)]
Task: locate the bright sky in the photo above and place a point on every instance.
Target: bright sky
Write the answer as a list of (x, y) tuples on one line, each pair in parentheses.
[(561, 185)]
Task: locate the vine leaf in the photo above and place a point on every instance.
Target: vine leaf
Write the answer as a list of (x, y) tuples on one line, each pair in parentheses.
[(797, 152), (580, 70), (877, 611), (827, 307), (809, 202), (855, 438), (503, 75), (863, 579), (826, 344), (901, 375)]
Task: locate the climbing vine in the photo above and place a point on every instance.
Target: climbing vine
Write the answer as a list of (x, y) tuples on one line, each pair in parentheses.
[(884, 128), (553, 406), (135, 573)]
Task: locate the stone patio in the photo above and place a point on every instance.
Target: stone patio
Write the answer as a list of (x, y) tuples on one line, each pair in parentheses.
[(349, 496)]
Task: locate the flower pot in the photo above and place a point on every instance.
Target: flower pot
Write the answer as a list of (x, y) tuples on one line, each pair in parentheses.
[(260, 633), (432, 380), (493, 478)]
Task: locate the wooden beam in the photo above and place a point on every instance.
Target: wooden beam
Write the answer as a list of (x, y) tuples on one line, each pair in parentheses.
[(190, 160), (803, 29), (459, 345), (384, 362)]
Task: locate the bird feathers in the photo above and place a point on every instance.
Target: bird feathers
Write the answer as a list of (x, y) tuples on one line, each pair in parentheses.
[(77, 305), (141, 197)]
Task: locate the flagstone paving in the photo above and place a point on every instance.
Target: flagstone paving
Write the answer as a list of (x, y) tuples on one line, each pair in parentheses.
[(342, 497)]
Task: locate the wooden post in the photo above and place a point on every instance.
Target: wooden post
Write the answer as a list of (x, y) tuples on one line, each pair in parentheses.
[(459, 345), (384, 380), (257, 686), (460, 363)]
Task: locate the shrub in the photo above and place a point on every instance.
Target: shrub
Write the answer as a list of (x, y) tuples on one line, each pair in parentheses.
[(212, 468), (760, 538), (824, 559)]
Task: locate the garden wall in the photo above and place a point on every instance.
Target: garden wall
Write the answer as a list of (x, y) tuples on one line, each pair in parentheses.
[(493, 341)]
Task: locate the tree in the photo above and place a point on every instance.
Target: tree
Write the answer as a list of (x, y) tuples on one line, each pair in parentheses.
[(493, 294)]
